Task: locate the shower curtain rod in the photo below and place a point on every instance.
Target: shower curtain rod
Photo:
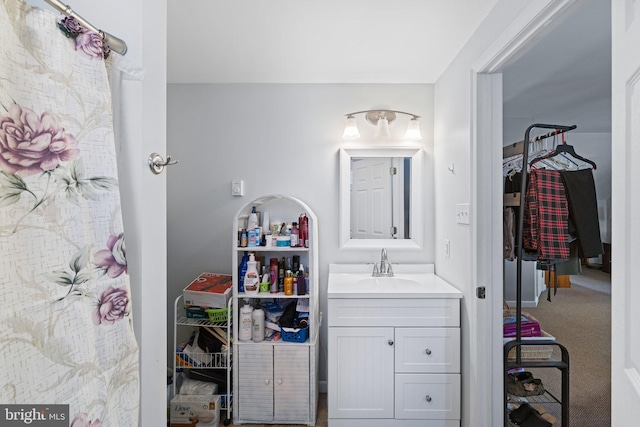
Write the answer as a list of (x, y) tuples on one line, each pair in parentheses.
[(117, 45)]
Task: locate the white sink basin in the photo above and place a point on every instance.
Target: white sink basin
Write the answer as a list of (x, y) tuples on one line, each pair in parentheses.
[(387, 281), (409, 281)]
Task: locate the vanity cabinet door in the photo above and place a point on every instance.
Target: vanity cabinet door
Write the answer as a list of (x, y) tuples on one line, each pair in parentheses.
[(360, 372), (429, 350), (428, 396)]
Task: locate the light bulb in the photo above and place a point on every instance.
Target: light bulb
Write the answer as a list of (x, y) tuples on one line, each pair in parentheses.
[(413, 130), (351, 129), (382, 128)]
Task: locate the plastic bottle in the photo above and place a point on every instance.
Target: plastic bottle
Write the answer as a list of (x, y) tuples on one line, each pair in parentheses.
[(301, 286), (242, 270), (243, 239), (294, 235), (257, 324), (244, 330), (252, 222), (288, 283), (266, 280), (281, 275), (251, 276), (273, 265), (303, 230)]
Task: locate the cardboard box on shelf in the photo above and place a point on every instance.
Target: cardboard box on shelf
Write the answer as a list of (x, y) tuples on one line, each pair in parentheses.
[(195, 410), (209, 290)]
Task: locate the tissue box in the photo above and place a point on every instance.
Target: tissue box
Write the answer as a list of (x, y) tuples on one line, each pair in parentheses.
[(209, 290), (195, 410)]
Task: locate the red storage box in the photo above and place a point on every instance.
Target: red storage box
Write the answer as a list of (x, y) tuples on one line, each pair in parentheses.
[(209, 290)]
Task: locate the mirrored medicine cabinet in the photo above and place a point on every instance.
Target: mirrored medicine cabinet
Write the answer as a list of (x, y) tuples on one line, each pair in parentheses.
[(381, 198)]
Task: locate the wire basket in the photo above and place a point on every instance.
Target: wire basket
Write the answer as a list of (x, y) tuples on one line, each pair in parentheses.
[(217, 315)]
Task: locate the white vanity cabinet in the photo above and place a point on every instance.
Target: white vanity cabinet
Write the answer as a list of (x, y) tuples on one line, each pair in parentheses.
[(393, 357)]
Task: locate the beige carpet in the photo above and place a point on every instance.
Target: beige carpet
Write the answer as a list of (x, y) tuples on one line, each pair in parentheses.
[(580, 319)]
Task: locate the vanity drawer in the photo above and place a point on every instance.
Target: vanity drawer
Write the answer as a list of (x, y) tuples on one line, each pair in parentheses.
[(427, 396), (441, 312), (429, 350)]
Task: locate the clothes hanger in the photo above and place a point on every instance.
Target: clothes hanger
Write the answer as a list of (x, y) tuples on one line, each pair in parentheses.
[(564, 149)]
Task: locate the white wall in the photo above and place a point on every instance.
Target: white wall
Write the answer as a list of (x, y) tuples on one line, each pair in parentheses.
[(278, 138), (453, 146)]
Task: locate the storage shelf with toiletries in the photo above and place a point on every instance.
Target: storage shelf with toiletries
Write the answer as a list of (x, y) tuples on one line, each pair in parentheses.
[(276, 318)]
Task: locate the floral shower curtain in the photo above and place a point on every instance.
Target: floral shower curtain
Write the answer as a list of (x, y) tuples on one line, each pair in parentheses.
[(66, 332)]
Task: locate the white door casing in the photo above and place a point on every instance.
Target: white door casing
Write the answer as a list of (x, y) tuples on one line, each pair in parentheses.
[(486, 394), (625, 183)]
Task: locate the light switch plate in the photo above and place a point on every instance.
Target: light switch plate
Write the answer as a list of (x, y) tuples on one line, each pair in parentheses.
[(462, 213), (237, 187)]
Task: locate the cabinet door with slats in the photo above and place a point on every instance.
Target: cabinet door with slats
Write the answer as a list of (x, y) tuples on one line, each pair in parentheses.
[(255, 380), (291, 383)]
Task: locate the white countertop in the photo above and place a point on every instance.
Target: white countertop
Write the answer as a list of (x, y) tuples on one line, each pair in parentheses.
[(413, 281)]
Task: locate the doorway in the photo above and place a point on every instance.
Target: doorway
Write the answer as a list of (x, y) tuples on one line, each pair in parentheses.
[(496, 98)]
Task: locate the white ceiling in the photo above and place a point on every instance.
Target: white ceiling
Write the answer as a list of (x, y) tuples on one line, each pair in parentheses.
[(329, 41), (566, 77)]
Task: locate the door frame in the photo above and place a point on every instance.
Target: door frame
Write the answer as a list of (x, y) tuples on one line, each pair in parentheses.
[(486, 197)]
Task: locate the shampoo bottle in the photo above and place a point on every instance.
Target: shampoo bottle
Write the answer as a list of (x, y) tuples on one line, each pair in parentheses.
[(257, 324), (244, 330), (251, 276)]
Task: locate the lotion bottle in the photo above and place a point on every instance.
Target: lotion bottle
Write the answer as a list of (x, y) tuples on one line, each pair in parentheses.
[(244, 330), (252, 222), (251, 277), (257, 324)]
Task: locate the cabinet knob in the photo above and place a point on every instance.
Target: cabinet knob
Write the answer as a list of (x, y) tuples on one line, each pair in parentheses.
[(390, 342), (279, 381), (428, 352), (266, 381), (428, 398)]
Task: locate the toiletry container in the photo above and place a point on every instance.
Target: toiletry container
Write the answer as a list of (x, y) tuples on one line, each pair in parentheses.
[(257, 324), (251, 277), (244, 328), (242, 270), (252, 222)]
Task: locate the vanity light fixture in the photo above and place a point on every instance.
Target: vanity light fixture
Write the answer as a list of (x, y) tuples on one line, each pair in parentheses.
[(381, 120)]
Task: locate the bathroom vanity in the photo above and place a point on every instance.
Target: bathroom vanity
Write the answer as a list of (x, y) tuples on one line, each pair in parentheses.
[(394, 348)]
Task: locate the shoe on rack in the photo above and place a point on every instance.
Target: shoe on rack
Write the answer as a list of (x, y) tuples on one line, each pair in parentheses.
[(530, 416)]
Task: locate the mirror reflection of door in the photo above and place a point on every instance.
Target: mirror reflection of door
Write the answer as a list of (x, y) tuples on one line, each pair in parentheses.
[(372, 187)]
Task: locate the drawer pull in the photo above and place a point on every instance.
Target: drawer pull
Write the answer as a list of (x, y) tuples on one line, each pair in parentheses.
[(428, 398), (390, 342), (428, 352)]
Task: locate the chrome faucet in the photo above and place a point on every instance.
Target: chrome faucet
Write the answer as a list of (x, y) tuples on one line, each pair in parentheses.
[(384, 270)]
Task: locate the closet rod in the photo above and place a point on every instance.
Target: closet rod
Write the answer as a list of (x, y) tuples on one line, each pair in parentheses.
[(517, 147), (115, 44), (557, 129)]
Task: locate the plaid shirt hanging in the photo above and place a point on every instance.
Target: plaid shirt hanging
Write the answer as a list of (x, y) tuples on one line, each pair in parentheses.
[(546, 215)]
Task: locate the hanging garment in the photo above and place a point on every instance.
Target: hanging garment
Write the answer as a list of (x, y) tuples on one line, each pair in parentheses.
[(583, 211), (509, 234), (66, 332), (546, 215)]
